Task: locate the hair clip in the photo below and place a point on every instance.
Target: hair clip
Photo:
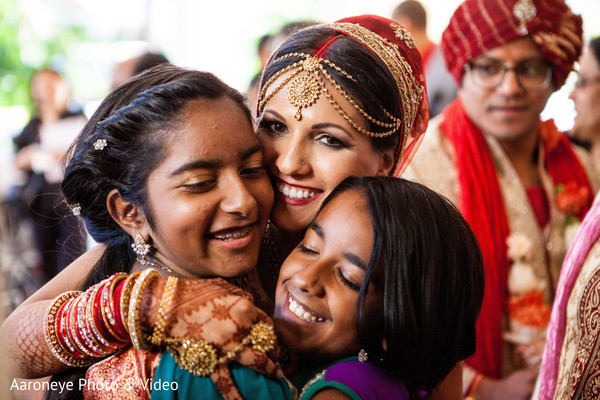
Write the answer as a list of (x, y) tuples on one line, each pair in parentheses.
[(100, 144), (75, 209)]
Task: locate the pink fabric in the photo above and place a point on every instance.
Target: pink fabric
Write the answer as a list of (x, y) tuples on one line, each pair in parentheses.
[(586, 237)]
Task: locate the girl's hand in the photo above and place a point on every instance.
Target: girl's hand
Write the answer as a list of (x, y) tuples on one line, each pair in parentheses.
[(220, 314)]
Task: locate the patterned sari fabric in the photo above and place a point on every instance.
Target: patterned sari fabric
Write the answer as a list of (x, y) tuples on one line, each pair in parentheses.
[(571, 364)]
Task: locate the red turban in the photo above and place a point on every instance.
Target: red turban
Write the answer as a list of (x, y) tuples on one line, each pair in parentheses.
[(478, 26)]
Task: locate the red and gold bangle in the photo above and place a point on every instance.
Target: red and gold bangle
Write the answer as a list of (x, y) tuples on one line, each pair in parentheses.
[(113, 309), (98, 325), (83, 327), (138, 338), (100, 306), (120, 327), (68, 326), (107, 314), (93, 328), (165, 307), (73, 330), (83, 333), (61, 326), (50, 333)]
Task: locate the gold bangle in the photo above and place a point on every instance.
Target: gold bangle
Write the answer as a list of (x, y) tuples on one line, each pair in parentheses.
[(166, 306), (51, 334), (135, 304), (126, 296)]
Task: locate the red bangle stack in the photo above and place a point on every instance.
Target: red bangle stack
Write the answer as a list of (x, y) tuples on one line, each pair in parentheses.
[(82, 328)]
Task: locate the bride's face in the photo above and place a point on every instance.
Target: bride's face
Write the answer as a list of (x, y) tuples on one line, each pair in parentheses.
[(307, 158)]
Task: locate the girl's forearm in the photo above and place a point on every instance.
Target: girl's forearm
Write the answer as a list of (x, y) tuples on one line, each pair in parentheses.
[(22, 340)]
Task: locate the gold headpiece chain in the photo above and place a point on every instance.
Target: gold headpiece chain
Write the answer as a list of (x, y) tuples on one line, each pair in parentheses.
[(411, 92), (304, 89), (305, 85)]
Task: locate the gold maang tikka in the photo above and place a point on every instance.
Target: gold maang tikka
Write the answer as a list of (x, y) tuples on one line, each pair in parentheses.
[(306, 85)]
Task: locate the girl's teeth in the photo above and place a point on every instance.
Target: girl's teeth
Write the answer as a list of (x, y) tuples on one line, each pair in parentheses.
[(295, 193), (234, 235), (299, 311)]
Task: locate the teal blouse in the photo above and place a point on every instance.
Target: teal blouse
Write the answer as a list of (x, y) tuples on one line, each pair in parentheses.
[(250, 384)]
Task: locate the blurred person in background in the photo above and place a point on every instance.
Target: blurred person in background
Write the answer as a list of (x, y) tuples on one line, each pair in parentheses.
[(134, 65), (263, 51), (441, 88), (58, 236), (586, 97)]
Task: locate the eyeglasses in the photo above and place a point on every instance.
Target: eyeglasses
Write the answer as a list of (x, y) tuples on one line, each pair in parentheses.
[(585, 81), (532, 74)]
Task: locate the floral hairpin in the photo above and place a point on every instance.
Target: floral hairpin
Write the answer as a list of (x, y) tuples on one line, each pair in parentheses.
[(76, 209), (100, 144)]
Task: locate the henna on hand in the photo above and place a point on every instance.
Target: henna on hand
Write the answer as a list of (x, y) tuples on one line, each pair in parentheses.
[(22, 336), (211, 316)]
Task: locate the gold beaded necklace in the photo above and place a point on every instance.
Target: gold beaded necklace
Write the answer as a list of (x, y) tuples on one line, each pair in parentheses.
[(157, 265)]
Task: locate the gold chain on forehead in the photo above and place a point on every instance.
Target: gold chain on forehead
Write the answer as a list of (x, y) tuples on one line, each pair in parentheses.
[(304, 90), (305, 83)]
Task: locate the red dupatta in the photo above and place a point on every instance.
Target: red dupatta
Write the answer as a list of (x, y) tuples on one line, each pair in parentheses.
[(481, 203)]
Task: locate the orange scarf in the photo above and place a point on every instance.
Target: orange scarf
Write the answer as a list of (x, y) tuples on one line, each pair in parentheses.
[(482, 205)]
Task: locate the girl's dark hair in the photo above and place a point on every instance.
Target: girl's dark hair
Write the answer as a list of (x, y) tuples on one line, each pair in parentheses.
[(135, 119), (375, 88), (595, 47), (428, 265)]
